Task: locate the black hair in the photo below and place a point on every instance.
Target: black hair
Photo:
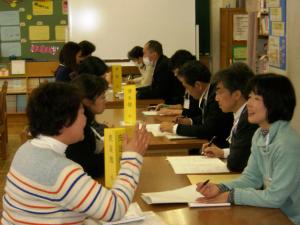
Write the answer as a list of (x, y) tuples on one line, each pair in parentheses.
[(90, 85), (235, 78), (193, 71), (179, 58), (87, 48), (67, 55), (155, 46), (135, 53), (92, 65), (278, 95), (51, 107)]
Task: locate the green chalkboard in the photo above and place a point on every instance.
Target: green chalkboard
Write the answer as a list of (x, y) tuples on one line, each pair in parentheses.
[(27, 11)]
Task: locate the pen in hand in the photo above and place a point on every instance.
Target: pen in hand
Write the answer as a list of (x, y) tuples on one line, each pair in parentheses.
[(205, 183), (211, 141)]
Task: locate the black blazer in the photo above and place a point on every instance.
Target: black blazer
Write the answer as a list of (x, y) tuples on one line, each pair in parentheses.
[(193, 110), (215, 122), (164, 84), (82, 152), (240, 147)]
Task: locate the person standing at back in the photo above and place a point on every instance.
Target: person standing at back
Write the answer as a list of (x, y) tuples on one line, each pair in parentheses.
[(164, 85), (69, 59), (87, 49)]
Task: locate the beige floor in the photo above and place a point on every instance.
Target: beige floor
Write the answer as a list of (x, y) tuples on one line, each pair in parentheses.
[(15, 126)]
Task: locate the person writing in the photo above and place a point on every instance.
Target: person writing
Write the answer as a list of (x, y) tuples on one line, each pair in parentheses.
[(232, 95), (271, 178), (44, 187)]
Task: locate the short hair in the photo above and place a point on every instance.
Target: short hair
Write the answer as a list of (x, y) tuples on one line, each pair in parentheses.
[(52, 106), (87, 48), (179, 58), (193, 71), (135, 53), (278, 95), (155, 46), (235, 78), (92, 65), (67, 55), (90, 86)]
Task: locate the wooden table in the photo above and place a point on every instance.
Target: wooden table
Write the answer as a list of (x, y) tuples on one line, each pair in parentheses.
[(114, 116), (157, 175), (117, 103)]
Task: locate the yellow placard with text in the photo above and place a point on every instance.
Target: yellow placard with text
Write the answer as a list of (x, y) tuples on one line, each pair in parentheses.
[(39, 33), (130, 104), (113, 142), (116, 71), (40, 8)]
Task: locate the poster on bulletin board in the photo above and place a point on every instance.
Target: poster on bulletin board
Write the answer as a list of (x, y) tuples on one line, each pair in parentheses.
[(277, 38), (34, 30)]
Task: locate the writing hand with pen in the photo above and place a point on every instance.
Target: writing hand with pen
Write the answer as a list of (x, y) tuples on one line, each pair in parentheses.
[(211, 150), (168, 126), (211, 193)]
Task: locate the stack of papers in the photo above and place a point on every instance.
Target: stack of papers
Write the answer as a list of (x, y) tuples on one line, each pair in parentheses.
[(150, 113), (197, 165), (186, 194), (155, 130)]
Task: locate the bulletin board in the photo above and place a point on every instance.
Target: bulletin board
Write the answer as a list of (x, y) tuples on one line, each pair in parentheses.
[(33, 30)]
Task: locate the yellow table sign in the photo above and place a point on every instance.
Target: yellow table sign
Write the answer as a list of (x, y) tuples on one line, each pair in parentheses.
[(117, 78), (113, 141), (130, 105)]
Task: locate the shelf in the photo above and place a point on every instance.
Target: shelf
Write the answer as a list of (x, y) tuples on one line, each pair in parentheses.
[(263, 36), (17, 93), (25, 76)]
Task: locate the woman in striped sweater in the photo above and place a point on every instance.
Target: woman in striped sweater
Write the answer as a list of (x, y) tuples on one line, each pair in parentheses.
[(44, 187)]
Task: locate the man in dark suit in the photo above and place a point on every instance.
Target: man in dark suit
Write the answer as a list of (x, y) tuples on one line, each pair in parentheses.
[(195, 77), (164, 83), (231, 94)]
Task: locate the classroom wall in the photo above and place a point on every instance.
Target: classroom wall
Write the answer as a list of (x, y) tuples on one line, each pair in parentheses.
[(293, 53)]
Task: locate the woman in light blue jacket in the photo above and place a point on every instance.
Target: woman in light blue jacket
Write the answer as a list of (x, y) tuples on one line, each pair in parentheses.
[(272, 176)]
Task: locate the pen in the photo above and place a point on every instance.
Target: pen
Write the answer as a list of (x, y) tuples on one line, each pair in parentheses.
[(211, 141), (205, 183)]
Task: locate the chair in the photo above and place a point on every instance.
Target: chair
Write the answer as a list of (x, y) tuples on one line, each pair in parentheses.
[(3, 122)]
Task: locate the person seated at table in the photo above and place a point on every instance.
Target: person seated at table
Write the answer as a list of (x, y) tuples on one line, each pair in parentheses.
[(232, 95), (94, 65), (87, 49), (44, 187), (89, 151), (271, 178), (69, 59), (190, 106), (164, 85), (136, 56), (195, 77)]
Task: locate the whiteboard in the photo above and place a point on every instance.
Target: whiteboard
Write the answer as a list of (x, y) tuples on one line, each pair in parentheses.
[(116, 26)]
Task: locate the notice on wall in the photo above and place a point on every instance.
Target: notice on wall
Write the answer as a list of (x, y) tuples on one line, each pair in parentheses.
[(274, 49), (10, 49), (239, 53), (39, 33), (273, 3), (60, 33), (276, 14), (40, 8), (8, 18), (240, 27), (10, 33), (278, 29)]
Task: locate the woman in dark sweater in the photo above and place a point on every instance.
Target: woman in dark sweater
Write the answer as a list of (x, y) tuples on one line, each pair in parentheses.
[(89, 152)]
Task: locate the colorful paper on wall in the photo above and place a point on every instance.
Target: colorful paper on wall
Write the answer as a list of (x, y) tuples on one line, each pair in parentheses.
[(17, 67), (278, 29), (275, 14), (8, 18), (240, 27), (11, 33), (39, 33), (10, 49), (60, 33), (130, 105), (64, 7), (113, 142), (273, 3), (239, 53), (117, 78), (43, 49), (42, 7)]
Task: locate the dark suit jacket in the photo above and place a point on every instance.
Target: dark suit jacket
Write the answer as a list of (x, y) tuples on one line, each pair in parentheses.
[(193, 110), (164, 84), (241, 143), (215, 122)]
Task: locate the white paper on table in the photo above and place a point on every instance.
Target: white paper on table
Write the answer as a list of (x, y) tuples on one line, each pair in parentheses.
[(177, 137), (155, 130), (201, 205), (134, 213), (181, 195), (150, 113), (197, 165)]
